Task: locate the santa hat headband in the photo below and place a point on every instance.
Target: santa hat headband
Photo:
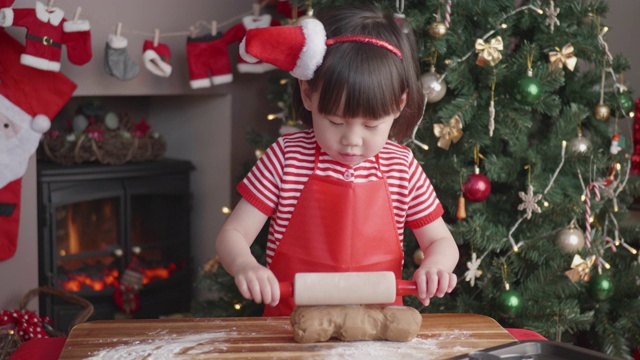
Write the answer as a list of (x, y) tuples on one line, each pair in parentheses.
[(298, 49)]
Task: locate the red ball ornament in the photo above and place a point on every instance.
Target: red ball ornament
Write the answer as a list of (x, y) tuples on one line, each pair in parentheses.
[(477, 187)]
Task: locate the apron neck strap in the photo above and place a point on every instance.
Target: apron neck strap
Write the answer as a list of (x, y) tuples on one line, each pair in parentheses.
[(317, 160)]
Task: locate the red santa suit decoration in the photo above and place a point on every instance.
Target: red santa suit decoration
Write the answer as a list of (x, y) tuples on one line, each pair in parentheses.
[(47, 31), (256, 22), (29, 98)]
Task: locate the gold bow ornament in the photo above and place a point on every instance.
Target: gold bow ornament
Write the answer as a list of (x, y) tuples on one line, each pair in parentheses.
[(563, 57), (448, 133), (489, 53), (580, 268)]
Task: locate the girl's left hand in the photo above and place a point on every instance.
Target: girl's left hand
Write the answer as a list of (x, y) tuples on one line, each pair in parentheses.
[(433, 282)]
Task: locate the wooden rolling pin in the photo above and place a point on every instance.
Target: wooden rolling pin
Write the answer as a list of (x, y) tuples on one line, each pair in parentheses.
[(350, 288)]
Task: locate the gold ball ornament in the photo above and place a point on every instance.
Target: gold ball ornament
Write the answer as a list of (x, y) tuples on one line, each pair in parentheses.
[(588, 19), (602, 112), (438, 30), (418, 256)]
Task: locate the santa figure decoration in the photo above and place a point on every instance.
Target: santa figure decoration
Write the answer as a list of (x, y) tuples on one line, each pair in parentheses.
[(29, 98), (47, 31)]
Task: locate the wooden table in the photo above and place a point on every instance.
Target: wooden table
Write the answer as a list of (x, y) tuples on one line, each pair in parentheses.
[(441, 336)]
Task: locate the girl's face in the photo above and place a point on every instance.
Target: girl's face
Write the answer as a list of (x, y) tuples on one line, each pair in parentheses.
[(347, 140)]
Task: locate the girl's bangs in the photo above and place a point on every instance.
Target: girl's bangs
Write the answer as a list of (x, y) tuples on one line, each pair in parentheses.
[(361, 83)]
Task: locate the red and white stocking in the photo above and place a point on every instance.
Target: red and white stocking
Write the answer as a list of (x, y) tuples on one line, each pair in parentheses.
[(156, 58), (77, 37)]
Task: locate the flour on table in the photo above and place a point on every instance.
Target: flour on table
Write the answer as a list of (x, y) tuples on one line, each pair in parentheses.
[(414, 349), (165, 347)]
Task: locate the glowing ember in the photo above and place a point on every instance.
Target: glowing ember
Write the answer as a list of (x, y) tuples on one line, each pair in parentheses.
[(76, 282)]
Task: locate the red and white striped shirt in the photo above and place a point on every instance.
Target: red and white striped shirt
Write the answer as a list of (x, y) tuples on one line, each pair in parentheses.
[(274, 184)]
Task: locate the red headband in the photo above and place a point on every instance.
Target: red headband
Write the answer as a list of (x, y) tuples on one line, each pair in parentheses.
[(365, 40)]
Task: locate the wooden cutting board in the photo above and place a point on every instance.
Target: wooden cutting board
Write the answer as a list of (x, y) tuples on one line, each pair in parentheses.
[(441, 336)]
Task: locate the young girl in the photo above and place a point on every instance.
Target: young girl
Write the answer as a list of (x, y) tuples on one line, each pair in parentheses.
[(340, 194)]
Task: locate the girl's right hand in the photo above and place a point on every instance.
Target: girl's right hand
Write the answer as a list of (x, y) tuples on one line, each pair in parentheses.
[(257, 283)]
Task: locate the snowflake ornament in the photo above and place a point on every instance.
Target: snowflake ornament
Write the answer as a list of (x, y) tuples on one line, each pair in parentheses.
[(530, 202), (552, 16), (473, 272)]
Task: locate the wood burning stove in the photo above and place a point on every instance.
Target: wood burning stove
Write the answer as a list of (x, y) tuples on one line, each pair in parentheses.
[(98, 222)]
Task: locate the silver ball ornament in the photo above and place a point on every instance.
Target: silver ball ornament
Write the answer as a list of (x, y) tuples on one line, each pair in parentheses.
[(434, 89), (570, 239), (579, 145)]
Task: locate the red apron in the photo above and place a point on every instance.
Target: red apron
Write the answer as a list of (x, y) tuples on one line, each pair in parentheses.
[(338, 226)]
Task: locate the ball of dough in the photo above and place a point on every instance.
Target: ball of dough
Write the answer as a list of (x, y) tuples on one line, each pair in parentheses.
[(354, 323)]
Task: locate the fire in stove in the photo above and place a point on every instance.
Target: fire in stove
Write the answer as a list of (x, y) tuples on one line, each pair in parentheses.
[(97, 278)]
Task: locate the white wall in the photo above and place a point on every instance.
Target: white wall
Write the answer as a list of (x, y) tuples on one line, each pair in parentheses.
[(200, 130)]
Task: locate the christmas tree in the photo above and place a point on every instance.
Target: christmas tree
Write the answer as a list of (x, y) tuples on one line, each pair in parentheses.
[(522, 138)]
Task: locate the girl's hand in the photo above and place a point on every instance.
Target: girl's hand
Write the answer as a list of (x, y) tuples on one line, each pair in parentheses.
[(257, 283), (433, 282)]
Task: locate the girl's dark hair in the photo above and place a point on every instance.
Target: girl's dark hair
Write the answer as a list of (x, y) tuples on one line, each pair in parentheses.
[(367, 79)]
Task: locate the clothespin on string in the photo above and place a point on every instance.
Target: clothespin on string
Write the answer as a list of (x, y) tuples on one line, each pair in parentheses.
[(214, 28), (156, 37), (118, 30), (77, 15)]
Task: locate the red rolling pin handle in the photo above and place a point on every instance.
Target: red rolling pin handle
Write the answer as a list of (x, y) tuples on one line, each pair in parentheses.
[(286, 289), (406, 287)]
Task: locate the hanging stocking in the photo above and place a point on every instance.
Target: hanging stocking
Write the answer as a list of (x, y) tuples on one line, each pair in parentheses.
[(117, 62), (208, 57), (28, 99), (156, 58), (77, 38), (127, 293)]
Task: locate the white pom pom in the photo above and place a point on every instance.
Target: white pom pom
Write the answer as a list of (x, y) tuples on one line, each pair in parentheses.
[(40, 123), (244, 54)]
